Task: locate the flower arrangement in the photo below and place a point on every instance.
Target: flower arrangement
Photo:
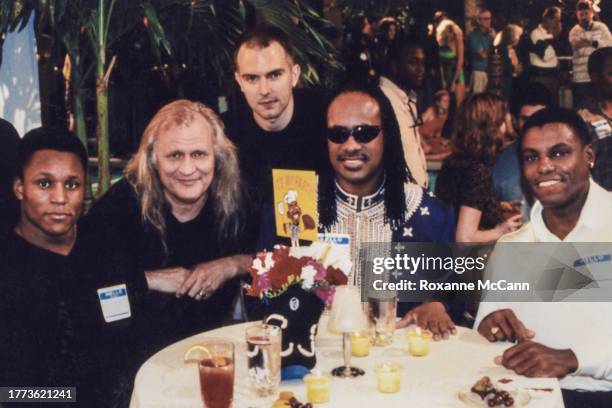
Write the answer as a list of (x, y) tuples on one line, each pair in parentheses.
[(318, 267)]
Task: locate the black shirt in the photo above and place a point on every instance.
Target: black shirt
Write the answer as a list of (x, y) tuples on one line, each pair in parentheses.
[(48, 323), (33, 314), (466, 180), (9, 207), (122, 247), (300, 146)]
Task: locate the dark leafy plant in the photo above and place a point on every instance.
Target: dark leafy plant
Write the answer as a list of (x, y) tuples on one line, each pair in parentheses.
[(199, 33)]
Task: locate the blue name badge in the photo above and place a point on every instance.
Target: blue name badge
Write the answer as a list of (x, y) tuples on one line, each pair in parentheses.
[(593, 259), (115, 303), (337, 239)]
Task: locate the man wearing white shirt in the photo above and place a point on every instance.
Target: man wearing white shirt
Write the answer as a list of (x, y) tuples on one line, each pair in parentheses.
[(585, 37), (570, 341), (397, 88), (542, 56)]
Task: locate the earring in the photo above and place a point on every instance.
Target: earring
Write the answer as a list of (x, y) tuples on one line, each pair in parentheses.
[(591, 164)]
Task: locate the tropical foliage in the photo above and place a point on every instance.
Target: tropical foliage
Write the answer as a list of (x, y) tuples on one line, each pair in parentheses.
[(196, 33), (400, 9)]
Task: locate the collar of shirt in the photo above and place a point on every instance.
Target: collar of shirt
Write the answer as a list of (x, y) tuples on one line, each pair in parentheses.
[(544, 35), (409, 101), (393, 88), (361, 203), (591, 217), (399, 92)]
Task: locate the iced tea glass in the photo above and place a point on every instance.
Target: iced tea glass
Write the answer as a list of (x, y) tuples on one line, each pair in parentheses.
[(217, 373)]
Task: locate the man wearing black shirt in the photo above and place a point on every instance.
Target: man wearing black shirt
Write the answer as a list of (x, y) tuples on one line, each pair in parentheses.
[(40, 344), (280, 128), (169, 230)]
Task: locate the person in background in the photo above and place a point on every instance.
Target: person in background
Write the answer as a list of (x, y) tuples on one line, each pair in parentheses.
[(507, 171), (406, 71), (359, 50), (450, 40), (386, 35), (480, 45), (465, 179), (507, 41), (585, 37), (556, 157), (435, 145), (596, 110), (387, 28), (9, 207), (543, 56), (411, 59)]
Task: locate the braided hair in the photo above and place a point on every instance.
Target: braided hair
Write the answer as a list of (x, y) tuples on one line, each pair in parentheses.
[(394, 163)]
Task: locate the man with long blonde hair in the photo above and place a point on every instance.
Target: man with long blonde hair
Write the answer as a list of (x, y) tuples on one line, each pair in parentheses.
[(169, 230)]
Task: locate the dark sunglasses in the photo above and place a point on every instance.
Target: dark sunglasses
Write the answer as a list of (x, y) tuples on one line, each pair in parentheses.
[(361, 133)]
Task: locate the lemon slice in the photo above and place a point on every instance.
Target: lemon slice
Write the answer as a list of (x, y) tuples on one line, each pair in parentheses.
[(196, 353), (219, 361)]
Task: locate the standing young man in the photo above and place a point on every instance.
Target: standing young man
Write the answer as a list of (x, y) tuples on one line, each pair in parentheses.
[(480, 44), (543, 56), (585, 37), (280, 127)]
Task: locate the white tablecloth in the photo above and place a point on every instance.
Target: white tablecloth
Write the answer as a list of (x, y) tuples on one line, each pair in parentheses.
[(431, 381)]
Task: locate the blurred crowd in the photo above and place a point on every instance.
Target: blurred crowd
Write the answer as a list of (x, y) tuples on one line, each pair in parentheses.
[(443, 137)]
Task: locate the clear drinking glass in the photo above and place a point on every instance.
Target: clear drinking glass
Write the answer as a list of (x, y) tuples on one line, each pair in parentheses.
[(264, 344), (217, 373), (381, 319)]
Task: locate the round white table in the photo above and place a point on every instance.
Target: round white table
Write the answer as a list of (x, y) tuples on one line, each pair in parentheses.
[(431, 381)]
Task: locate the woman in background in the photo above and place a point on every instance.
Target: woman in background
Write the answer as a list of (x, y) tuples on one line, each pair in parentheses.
[(449, 37), (465, 179), (435, 145)]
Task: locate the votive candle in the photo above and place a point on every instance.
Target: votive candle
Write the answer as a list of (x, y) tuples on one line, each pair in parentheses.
[(389, 376), (419, 342), (360, 344), (317, 387)]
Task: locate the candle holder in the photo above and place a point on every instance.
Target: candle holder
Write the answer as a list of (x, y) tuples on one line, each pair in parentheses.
[(389, 377), (317, 387), (347, 316), (360, 344), (419, 342)]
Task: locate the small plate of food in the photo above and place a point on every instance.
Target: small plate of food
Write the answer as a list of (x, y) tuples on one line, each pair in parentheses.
[(486, 393)]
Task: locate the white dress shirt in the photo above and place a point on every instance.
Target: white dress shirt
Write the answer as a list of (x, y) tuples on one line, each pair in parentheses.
[(583, 327)]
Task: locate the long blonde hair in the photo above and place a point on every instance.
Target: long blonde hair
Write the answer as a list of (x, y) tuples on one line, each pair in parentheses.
[(225, 190)]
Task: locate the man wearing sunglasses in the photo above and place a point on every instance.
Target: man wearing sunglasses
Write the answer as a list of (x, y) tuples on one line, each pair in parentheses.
[(367, 192), (405, 70)]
